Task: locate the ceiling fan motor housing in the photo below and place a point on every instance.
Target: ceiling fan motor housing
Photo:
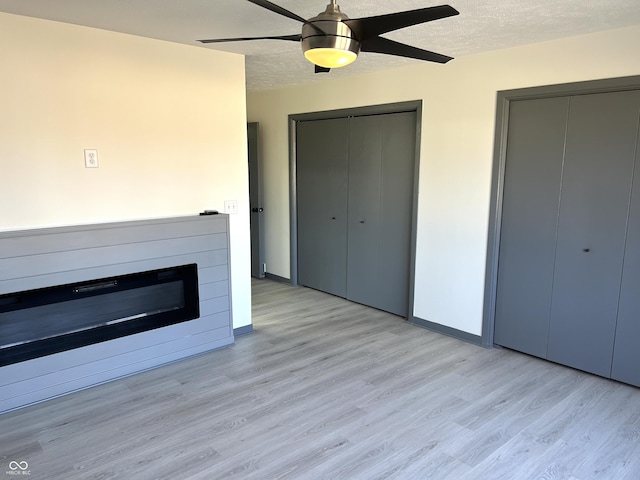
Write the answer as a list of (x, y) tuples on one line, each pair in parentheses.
[(326, 33)]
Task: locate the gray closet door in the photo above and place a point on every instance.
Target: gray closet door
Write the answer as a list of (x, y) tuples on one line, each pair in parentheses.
[(381, 166), (396, 211), (355, 198), (596, 189), (568, 224), (626, 354), (322, 147), (535, 146)]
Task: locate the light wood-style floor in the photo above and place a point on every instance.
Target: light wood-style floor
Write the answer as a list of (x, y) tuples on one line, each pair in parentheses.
[(327, 389)]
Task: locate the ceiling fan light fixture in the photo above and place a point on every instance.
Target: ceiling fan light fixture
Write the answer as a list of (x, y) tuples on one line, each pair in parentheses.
[(329, 42), (330, 57)]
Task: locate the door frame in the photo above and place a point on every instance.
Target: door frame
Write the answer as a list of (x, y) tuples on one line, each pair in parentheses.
[(504, 99), (294, 119)]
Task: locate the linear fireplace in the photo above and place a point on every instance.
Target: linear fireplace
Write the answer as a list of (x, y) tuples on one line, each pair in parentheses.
[(44, 321)]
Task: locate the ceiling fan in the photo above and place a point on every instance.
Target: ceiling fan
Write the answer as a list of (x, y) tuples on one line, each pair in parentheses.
[(332, 39)]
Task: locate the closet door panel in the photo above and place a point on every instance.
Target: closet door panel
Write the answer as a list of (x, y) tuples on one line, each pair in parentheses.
[(381, 168), (596, 185), (535, 147), (322, 149), (626, 354), (396, 210), (365, 160)]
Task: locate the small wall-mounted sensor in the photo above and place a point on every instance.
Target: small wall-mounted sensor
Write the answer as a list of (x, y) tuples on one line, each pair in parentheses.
[(91, 158)]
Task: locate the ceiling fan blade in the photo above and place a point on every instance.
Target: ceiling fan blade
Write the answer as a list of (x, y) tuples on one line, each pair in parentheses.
[(389, 47), (277, 9), (320, 69), (293, 38), (369, 27)]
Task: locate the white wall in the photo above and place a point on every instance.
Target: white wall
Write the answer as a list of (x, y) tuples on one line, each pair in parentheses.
[(456, 152), (168, 120)]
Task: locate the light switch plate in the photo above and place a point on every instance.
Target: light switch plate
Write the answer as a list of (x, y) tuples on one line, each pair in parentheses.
[(231, 206)]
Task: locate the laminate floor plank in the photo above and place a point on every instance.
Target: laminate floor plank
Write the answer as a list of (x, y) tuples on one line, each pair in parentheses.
[(328, 389)]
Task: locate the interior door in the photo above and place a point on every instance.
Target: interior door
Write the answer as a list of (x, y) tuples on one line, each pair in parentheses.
[(592, 222), (626, 354), (531, 196), (322, 149), (255, 200), (381, 172), (355, 180), (562, 293)]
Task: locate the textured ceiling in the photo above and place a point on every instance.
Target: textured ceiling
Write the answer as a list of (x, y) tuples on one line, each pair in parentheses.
[(481, 26)]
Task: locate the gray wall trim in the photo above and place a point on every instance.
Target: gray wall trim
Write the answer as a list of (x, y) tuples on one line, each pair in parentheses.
[(293, 203), (495, 219), (277, 278), (408, 106), (499, 160), (574, 88), (241, 331), (414, 219), (450, 332)]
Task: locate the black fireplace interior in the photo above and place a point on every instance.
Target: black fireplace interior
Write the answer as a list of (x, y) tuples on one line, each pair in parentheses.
[(44, 321)]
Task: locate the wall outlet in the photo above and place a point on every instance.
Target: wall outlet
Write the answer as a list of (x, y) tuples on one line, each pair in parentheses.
[(91, 158), (231, 206)]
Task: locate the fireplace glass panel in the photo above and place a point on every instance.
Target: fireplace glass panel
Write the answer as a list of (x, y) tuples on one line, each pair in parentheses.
[(44, 321)]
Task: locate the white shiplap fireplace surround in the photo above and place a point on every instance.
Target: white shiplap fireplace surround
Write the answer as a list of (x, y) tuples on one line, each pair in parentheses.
[(40, 258)]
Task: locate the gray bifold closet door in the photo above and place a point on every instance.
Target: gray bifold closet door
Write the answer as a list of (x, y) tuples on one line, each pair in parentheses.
[(322, 187), (381, 165), (531, 196), (356, 175), (592, 222), (566, 208), (626, 355)]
